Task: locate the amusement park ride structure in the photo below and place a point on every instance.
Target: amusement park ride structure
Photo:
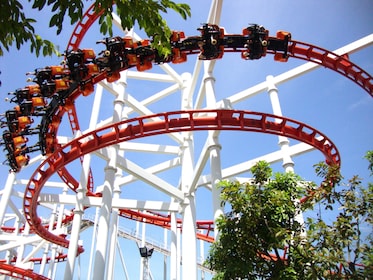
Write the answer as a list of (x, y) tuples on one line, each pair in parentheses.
[(47, 106)]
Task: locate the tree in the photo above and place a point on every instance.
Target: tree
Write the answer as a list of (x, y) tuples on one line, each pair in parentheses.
[(261, 238), (17, 28)]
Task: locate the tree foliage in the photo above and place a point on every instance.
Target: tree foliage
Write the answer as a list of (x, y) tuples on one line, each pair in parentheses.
[(16, 28), (261, 237)]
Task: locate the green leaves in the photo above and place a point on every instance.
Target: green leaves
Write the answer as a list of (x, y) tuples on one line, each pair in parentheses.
[(260, 227), (38, 44), (261, 172), (369, 157), (148, 15), (16, 28), (74, 9)]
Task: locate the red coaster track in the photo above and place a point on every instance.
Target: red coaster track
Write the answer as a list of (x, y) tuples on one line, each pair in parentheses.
[(192, 120)]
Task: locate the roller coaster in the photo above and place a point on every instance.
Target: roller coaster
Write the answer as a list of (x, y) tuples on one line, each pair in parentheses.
[(40, 107)]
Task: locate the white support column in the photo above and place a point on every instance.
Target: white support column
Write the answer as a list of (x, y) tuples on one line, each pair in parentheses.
[(47, 246), (53, 264), (178, 252), (117, 116), (77, 220), (214, 148), (215, 167), (93, 243), (165, 242), (143, 261), (173, 248), (104, 219), (17, 226), (92, 124), (288, 163), (113, 238), (202, 256), (71, 255), (122, 261), (21, 249), (6, 195), (189, 246), (96, 107)]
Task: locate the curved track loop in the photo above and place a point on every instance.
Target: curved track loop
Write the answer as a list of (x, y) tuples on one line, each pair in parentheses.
[(19, 273), (164, 221), (295, 49), (89, 17), (170, 122), (340, 64)]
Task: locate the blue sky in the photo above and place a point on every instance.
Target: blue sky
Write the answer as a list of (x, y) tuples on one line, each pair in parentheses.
[(322, 98)]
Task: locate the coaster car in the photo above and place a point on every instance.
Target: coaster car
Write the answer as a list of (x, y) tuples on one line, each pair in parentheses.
[(211, 43), (256, 37), (81, 63)]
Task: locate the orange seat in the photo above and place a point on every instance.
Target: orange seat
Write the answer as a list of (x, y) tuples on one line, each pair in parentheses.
[(18, 141), (22, 160), (88, 54), (18, 109), (132, 59), (113, 77), (145, 65), (88, 89), (280, 57), (128, 42), (245, 32), (24, 121), (282, 35), (93, 69), (178, 56), (61, 85), (177, 36), (38, 102), (34, 89), (144, 42), (57, 70)]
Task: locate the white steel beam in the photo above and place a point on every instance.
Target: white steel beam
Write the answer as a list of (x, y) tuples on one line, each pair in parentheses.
[(144, 111), (198, 169), (156, 97), (243, 167), (104, 219), (17, 241), (150, 148), (172, 73), (158, 168), (149, 76), (16, 211), (118, 203), (150, 179)]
